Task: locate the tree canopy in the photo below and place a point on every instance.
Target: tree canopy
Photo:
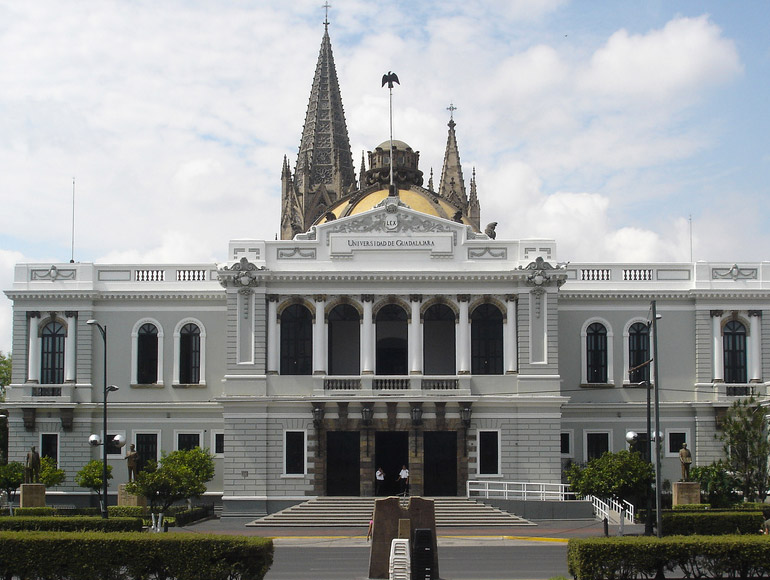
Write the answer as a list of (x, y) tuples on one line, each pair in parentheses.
[(50, 475), (746, 447), (622, 475), (11, 477), (90, 476), (180, 475)]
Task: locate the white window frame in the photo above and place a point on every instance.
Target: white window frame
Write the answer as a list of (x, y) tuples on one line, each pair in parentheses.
[(499, 453), (135, 349), (177, 335), (214, 433), (284, 456), (627, 348), (584, 353), (157, 432), (588, 432), (668, 433), (122, 453), (178, 432), (58, 445)]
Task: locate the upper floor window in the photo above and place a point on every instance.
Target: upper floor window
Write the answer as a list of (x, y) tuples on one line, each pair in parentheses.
[(734, 344), (392, 340), (638, 353), (344, 340), (52, 354), (190, 354), (296, 341), (596, 353), (487, 340), (147, 354), (439, 340)]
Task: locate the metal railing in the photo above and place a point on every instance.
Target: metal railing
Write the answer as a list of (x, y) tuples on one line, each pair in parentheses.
[(613, 510), (519, 490)]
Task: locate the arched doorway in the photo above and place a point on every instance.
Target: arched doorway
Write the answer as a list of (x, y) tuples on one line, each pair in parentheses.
[(392, 341)]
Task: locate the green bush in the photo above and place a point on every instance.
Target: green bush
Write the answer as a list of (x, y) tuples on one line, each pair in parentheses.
[(710, 523), (691, 507), (193, 515), (70, 524), (34, 511), (745, 557), (140, 555), (127, 511)]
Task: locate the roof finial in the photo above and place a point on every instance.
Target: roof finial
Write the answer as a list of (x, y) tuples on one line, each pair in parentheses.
[(326, 18), (451, 108), (389, 79)]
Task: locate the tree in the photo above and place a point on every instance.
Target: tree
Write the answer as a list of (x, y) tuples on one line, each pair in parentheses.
[(50, 475), (90, 476), (181, 475), (746, 445), (716, 484), (624, 475), (5, 373), (11, 477)]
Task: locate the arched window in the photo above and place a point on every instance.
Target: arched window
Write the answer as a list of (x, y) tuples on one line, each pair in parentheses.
[(392, 341), (147, 354), (438, 344), (190, 354), (52, 354), (344, 341), (638, 353), (596, 353), (734, 345), (296, 341), (487, 340)]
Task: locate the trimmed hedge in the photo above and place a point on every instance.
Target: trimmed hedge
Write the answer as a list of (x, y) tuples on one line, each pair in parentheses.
[(70, 524), (745, 557), (134, 556), (708, 523)]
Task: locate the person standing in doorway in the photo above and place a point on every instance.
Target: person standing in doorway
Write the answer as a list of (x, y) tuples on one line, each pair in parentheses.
[(403, 478), (379, 481)]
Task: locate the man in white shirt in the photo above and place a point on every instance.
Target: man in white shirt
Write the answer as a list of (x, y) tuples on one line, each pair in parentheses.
[(403, 477)]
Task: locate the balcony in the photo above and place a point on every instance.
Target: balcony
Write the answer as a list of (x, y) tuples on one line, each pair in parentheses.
[(372, 385)]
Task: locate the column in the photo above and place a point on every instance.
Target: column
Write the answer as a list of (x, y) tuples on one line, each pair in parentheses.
[(755, 346), (463, 336), (319, 336), (510, 334), (70, 343), (33, 360), (367, 336), (415, 335), (718, 354), (273, 346)]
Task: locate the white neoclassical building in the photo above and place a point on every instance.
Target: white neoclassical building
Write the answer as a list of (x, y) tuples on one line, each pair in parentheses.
[(384, 329)]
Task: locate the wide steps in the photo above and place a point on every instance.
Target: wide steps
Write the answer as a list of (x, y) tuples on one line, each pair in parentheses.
[(357, 511)]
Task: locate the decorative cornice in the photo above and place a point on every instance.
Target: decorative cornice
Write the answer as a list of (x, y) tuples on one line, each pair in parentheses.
[(242, 274)]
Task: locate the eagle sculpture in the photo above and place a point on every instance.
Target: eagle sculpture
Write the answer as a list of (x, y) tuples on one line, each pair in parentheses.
[(389, 79)]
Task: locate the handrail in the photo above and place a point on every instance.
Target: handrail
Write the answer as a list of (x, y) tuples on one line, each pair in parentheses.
[(519, 490)]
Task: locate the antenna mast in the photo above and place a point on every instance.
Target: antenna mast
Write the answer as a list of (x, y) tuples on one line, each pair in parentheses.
[(72, 247)]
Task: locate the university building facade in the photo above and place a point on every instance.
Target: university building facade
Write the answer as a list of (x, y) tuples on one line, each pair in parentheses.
[(384, 329)]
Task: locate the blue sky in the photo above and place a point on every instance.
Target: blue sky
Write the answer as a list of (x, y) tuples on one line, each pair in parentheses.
[(603, 125)]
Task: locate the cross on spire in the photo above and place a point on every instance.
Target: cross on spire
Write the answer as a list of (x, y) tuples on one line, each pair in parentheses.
[(326, 8), (451, 108)]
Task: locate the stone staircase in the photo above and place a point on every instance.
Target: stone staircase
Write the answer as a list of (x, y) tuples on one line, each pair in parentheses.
[(357, 511)]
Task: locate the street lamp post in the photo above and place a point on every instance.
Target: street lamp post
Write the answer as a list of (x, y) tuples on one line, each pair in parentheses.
[(658, 436), (103, 441)]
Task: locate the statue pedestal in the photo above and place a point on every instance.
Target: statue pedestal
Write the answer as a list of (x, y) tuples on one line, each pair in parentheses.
[(125, 498), (32, 495), (686, 492)]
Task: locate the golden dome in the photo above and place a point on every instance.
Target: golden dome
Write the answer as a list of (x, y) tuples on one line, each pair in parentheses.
[(416, 198)]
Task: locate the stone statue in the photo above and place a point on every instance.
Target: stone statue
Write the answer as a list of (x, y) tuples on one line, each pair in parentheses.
[(685, 457), (32, 467), (490, 230), (132, 461)]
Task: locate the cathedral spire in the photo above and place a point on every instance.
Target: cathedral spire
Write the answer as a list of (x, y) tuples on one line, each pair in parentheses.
[(325, 169), (452, 185)]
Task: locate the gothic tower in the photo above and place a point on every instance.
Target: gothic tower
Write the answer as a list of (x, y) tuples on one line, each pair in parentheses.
[(324, 172)]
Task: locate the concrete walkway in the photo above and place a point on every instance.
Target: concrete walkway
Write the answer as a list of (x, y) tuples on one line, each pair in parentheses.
[(558, 531)]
